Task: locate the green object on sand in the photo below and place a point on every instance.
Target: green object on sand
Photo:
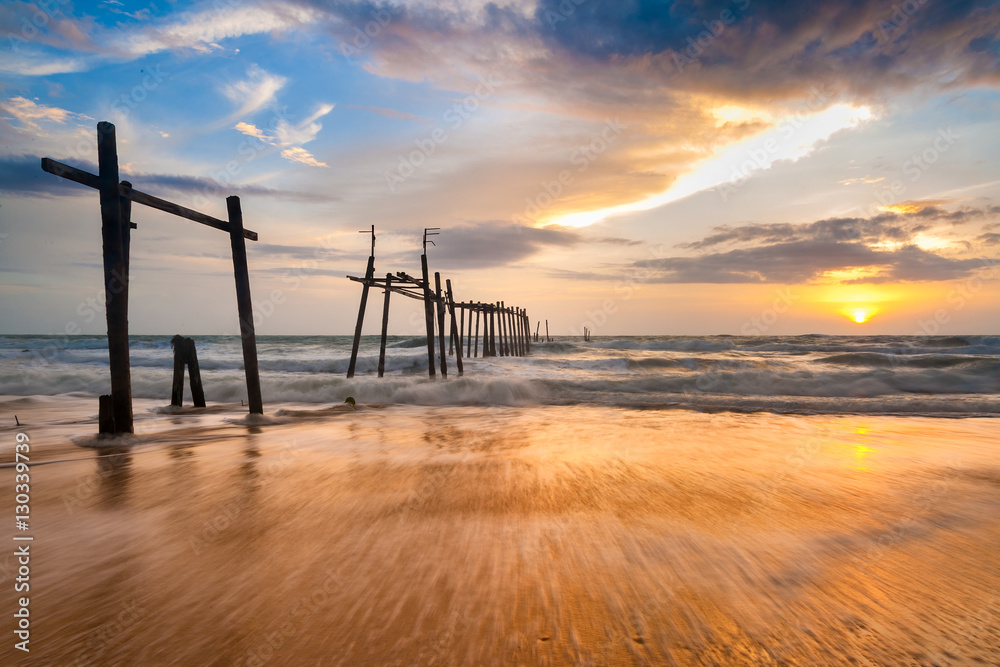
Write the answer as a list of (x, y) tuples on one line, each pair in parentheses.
[(349, 399)]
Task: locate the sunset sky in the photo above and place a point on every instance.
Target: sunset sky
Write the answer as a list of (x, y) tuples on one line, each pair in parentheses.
[(635, 167)]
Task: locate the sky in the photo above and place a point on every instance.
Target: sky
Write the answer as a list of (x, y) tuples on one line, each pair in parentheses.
[(743, 167)]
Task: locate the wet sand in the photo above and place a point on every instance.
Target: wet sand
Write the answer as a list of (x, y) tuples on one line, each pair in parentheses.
[(474, 536)]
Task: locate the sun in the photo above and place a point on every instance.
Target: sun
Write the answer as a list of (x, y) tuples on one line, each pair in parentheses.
[(860, 315)]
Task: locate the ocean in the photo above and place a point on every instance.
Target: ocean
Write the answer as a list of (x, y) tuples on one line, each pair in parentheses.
[(650, 500), (953, 376)]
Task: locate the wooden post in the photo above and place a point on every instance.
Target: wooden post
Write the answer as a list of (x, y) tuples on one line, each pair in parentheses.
[(124, 189), (105, 415), (475, 350), (526, 325), (468, 337), (245, 305), (500, 327), (537, 327), (177, 389), (197, 391), (454, 330), (385, 324), (519, 322), (428, 315), (493, 338), (115, 279), (461, 326), (547, 339), (440, 320), (369, 274)]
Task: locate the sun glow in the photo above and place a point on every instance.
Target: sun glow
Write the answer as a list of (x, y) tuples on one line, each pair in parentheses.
[(861, 315), (789, 138)]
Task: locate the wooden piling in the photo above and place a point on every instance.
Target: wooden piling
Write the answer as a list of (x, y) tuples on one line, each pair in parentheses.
[(369, 274), (428, 315), (527, 330), (547, 339), (385, 325), (493, 340), (468, 338), (245, 305), (519, 321), (440, 320), (475, 349), (501, 329), (105, 415), (455, 330), (177, 389), (197, 390), (115, 279), (537, 327)]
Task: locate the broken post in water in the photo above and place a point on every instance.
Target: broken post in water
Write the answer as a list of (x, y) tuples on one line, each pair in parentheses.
[(186, 355), (116, 200), (385, 325), (369, 274)]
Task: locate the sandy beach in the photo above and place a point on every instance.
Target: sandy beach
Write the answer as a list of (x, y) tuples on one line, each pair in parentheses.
[(558, 535)]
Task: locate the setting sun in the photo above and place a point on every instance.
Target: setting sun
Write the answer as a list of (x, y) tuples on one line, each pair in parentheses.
[(861, 315)]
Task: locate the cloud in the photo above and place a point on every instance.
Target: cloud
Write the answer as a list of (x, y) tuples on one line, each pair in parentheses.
[(23, 175), (494, 243), (289, 136), (257, 90), (301, 155), (29, 115), (907, 247), (388, 113)]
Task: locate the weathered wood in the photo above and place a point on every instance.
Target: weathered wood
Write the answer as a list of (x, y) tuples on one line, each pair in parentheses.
[(461, 326), (547, 339), (197, 390), (519, 324), (177, 388), (493, 330), (115, 280), (369, 274), (502, 351), (537, 327), (454, 330), (105, 414), (527, 331), (385, 325), (440, 323), (244, 305), (475, 349), (85, 178), (428, 315), (468, 335)]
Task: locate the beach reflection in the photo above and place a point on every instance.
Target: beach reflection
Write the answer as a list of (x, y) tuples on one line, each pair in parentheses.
[(470, 536)]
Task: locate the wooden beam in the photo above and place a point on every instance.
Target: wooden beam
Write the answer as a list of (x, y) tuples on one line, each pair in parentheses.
[(115, 280), (86, 178), (244, 304)]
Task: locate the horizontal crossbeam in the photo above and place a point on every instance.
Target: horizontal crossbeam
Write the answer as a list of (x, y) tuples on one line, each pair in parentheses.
[(90, 180)]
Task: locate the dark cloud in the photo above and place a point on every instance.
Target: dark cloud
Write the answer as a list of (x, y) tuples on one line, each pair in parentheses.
[(800, 262), (494, 243), (23, 175)]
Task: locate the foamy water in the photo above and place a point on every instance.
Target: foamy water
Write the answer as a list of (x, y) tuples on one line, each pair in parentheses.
[(931, 375), (543, 535)]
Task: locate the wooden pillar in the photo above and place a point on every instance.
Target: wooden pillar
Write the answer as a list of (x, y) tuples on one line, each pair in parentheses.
[(369, 274), (526, 326), (493, 338), (115, 280), (428, 316), (245, 305), (519, 324), (177, 389), (537, 327), (461, 326), (475, 350), (468, 337), (547, 339), (105, 416), (501, 346), (197, 390), (385, 325), (455, 330), (440, 320)]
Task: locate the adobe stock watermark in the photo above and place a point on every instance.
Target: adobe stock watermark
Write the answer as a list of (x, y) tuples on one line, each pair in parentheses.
[(915, 167), (580, 157), (45, 11), (454, 118), (696, 47), (362, 38), (639, 274), (760, 157), (959, 297), (566, 8), (758, 326), (900, 16)]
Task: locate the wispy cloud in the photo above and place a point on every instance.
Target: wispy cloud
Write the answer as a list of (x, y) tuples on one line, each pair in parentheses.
[(290, 137), (254, 92), (29, 115)]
